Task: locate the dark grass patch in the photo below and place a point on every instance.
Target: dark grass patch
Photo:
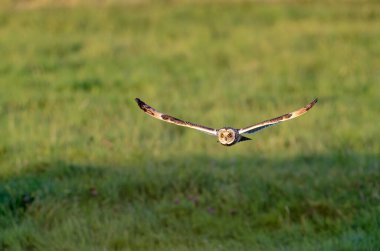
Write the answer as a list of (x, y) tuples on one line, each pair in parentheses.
[(223, 202)]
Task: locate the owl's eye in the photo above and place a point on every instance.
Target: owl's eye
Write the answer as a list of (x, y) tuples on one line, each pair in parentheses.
[(230, 135)]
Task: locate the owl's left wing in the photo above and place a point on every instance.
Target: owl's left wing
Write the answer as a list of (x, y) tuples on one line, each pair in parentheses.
[(170, 119), (262, 125)]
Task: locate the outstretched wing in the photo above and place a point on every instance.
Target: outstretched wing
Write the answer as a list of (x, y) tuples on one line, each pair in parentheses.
[(262, 125), (167, 118)]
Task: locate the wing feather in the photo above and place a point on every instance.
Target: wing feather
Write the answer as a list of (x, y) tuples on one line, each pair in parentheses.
[(267, 123), (170, 119)]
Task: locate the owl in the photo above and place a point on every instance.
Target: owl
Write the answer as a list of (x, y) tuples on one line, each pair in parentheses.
[(227, 136)]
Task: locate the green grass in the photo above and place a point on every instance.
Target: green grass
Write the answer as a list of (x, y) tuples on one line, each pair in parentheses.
[(82, 168)]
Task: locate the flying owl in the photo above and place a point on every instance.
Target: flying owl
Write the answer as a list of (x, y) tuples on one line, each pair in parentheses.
[(227, 136)]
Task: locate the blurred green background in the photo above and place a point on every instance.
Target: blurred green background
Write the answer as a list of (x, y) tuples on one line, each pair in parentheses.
[(82, 168)]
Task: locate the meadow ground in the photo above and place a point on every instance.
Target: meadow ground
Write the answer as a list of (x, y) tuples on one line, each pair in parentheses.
[(82, 168)]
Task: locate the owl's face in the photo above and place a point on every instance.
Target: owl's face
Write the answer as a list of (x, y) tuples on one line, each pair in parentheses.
[(227, 136)]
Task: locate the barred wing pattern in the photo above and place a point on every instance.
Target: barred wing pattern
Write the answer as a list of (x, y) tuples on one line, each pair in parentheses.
[(267, 123), (170, 119)]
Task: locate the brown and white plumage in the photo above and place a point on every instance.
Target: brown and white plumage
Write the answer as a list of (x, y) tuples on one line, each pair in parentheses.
[(227, 136), (291, 115), (167, 118)]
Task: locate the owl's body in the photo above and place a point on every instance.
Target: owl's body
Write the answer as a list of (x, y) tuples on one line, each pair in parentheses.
[(227, 136)]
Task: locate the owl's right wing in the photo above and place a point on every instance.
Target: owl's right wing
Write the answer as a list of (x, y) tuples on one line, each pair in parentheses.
[(262, 125), (170, 119)]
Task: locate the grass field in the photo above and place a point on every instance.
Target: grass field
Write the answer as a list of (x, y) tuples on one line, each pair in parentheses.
[(82, 168)]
